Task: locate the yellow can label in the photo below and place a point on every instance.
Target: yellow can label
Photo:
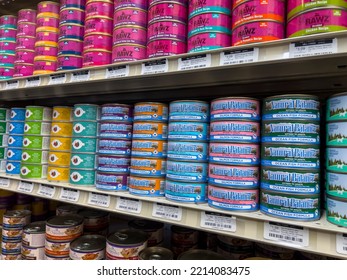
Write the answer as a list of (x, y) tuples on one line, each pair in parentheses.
[(59, 158), (42, 72), (61, 129), (47, 29), (58, 174), (46, 58), (62, 114), (60, 144)]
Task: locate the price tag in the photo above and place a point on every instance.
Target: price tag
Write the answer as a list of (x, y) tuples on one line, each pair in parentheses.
[(129, 205), (33, 82), (69, 194), (155, 67), (286, 233), (313, 48), (47, 191), (194, 62), (57, 79), (341, 243), (99, 199), (117, 71), (80, 76), (167, 212), (12, 85), (239, 56), (25, 187), (4, 183), (218, 221)]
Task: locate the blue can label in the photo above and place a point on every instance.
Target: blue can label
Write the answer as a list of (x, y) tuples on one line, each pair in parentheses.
[(115, 147), (189, 111), (111, 181), (186, 192), (148, 167), (15, 141), (116, 130), (16, 127), (17, 114), (187, 171), (13, 167), (189, 131), (117, 112), (197, 151), (14, 154)]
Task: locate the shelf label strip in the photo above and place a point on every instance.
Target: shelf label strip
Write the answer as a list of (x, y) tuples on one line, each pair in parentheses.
[(312, 48), (194, 62), (218, 221), (57, 79), (341, 243), (12, 85), (47, 191), (4, 183), (129, 205), (69, 195), (239, 56), (168, 212), (33, 82), (25, 187), (155, 67), (117, 71), (80, 76), (99, 199)]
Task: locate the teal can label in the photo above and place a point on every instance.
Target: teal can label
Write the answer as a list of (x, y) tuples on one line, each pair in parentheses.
[(189, 110), (336, 211), (4, 114), (188, 131), (336, 134), (186, 192), (86, 112), (83, 161), (36, 142), (37, 128), (337, 108), (85, 129), (336, 159), (33, 171), (38, 113), (84, 144), (187, 171), (4, 127), (336, 184), (82, 177), (187, 151)]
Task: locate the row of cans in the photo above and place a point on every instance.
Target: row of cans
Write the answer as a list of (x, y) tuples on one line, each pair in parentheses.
[(8, 32)]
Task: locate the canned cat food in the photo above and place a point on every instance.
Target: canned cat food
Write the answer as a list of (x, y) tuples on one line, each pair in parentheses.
[(80, 4), (130, 34), (70, 47), (69, 62), (189, 110), (286, 131), (26, 15), (210, 6), (84, 161), (95, 57), (149, 148), (16, 219), (142, 4), (184, 236), (167, 11), (336, 159), (82, 145), (292, 156), (336, 211), (38, 113), (297, 181), (337, 107), (167, 29), (32, 253), (99, 8), (119, 130), (209, 22), (114, 164), (34, 235), (57, 247), (82, 177), (208, 41), (67, 209), (62, 114), (235, 153), (34, 156), (290, 206), (130, 16), (128, 52), (156, 253), (150, 111), (7, 60), (111, 181), (3, 143), (188, 131), (35, 142), (148, 167), (46, 36), (37, 128), (97, 41), (64, 228), (24, 56), (155, 230), (186, 192), (242, 131), (336, 185), (15, 141), (70, 31), (61, 129), (58, 174), (33, 171), (233, 176), (98, 24), (10, 256), (335, 135), (85, 129), (6, 73), (117, 112), (17, 114), (4, 114), (23, 42), (72, 15), (187, 171), (88, 247), (60, 144), (114, 147), (14, 154), (4, 127), (11, 247), (48, 7), (59, 158), (298, 106), (94, 220), (23, 70), (51, 23), (146, 186), (149, 130), (8, 34), (187, 151), (55, 258), (12, 235), (9, 46), (165, 47), (86, 112)]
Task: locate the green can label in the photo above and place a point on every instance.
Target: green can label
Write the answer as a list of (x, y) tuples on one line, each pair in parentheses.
[(36, 142), (337, 134), (34, 156), (37, 128), (86, 112), (33, 171), (4, 114), (82, 177), (4, 127), (84, 145), (38, 113), (3, 139), (336, 159), (336, 184), (337, 211), (3, 152), (83, 161), (85, 129)]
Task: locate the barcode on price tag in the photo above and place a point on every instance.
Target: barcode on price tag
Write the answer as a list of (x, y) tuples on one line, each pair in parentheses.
[(194, 62), (47, 191), (239, 56), (117, 71), (155, 67), (69, 194), (167, 212), (57, 79), (129, 205), (341, 243), (12, 85), (313, 48), (99, 199), (80, 76), (4, 183), (33, 82), (288, 234), (25, 187), (218, 221)]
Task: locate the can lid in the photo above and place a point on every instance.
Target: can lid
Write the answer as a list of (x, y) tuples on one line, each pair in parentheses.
[(63, 221), (36, 227), (293, 96), (127, 237), (200, 254), (156, 253), (145, 225), (87, 243), (17, 213)]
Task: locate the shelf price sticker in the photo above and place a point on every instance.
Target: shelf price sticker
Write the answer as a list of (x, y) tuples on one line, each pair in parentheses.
[(289, 234), (155, 67), (57, 79), (47, 191), (313, 48), (239, 56), (168, 212), (4, 183), (130, 205), (117, 71), (26, 187), (218, 221), (80, 76), (33, 82), (12, 85), (194, 62), (341, 243), (69, 194), (99, 199)]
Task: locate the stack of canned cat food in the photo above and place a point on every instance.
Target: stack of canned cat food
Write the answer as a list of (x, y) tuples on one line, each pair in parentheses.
[(290, 157), (60, 145), (113, 160), (37, 128), (130, 30), (187, 168), (15, 141), (4, 130), (33, 242), (25, 43), (234, 154), (147, 173), (8, 32)]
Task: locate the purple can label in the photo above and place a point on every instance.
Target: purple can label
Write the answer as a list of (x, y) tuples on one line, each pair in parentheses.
[(9, 46), (71, 31), (47, 22), (130, 16), (209, 23), (258, 31), (96, 58), (124, 52), (24, 56), (69, 62), (97, 41), (167, 29), (130, 35), (167, 11), (208, 41), (26, 29), (111, 181), (46, 36), (117, 112), (48, 7), (209, 6), (27, 43), (142, 4), (99, 8), (8, 33), (50, 66), (116, 164), (98, 25), (72, 15), (114, 147), (6, 59), (46, 51), (165, 47), (6, 72), (70, 46), (26, 15), (23, 70), (118, 130), (8, 19)]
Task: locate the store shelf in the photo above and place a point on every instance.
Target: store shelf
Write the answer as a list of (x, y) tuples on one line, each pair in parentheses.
[(322, 235)]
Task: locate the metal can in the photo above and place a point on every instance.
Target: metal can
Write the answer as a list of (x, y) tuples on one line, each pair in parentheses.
[(58, 174), (61, 129), (97, 41), (148, 167), (16, 127), (12, 234), (70, 47), (165, 47), (10, 256), (56, 258), (96, 57), (48, 7), (130, 16), (119, 130), (38, 113), (26, 15), (336, 210), (189, 110), (111, 163), (149, 130), (187, 171), (60, 144), (34, 156), (187, 151), (118, 4), (211, 6), (85, 128), (17, 114), (34, 235), (72, 15), (86, 112), (155, 230), (156, 253), (9, 247), (114, 147), (82, 177), (188, 131), (336, 159), (37, 128), (128, 52), (24, 56), (130, 34), (12, 167), (167, 10), (70, 31), (67, 209), (13, 219), (4, 127), (59, 158), (84, 144), (335, 134), (83, 160), (117, 112), (184, 236), (33, 171), (111, 181), (146, 186), (208, 41), (186, 192), (336, 185), (200, 254), (88, 247), (31, 142), (98, 24), (337, 107), (94, 220), (151, 111), (149, 148), (29, 253), (58, 247), (64, 228), (171, 29), (5, 114)]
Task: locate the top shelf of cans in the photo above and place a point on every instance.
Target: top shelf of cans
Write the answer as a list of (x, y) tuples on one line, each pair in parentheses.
[(84, 33)]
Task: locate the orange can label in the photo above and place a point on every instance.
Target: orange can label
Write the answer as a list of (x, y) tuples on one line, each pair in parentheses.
[(151, 111), (149, 130), (149, 148), (58, 174), (62, 114), (146, 186), (61, 129), (60, 143)]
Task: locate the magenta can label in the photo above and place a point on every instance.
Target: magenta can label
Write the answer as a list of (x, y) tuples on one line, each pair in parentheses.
[(6, 72), (167, 29), (26, 29), (167, 10), (23, 42), (130, 16), (119, 4), (23, 70), (256, 32), (46, 36), (7, 59), (47, 22), (209, 6), (8, 33), (99, 8), (69, 62), (48, 7), (9, 47), (233, 176), (50, 66), (46, 51), (111, 181), (130, 34), (119, 130), (165, 47), (317, 21), (80, 4), (208, 41), (128, 52), (8, 20), (97, 41), (117, 112), (24, 56), (71, 31), (72, 15), (70, 46), (96, 58), (98, 25), (209, 22), (26, 15), (115, 164), (114, 146)]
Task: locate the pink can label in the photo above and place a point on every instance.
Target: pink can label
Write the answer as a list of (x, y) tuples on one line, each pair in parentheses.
[(123, 53), (70, 46), (25, 56), (98, 25), (27, 43), (21, 70), (7, 59), (130, 16), (182, 2), (47, 22), (96, 58), (209, 23), (26, 29), (130, 34), (208, 41), (8, 33), (46, 51), (239, 131), (235, 108), (48, 7), (6, 72), (97, 8), (318, 21), (72, 15), (165, 47), (8, 20), (142, 4), (255, 32), (9, 46), (71, 31), (47, 36), (27, 15), (45, 66), (98, 41), (209, 6), (167, 11), (167, 29), (69, 62)]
